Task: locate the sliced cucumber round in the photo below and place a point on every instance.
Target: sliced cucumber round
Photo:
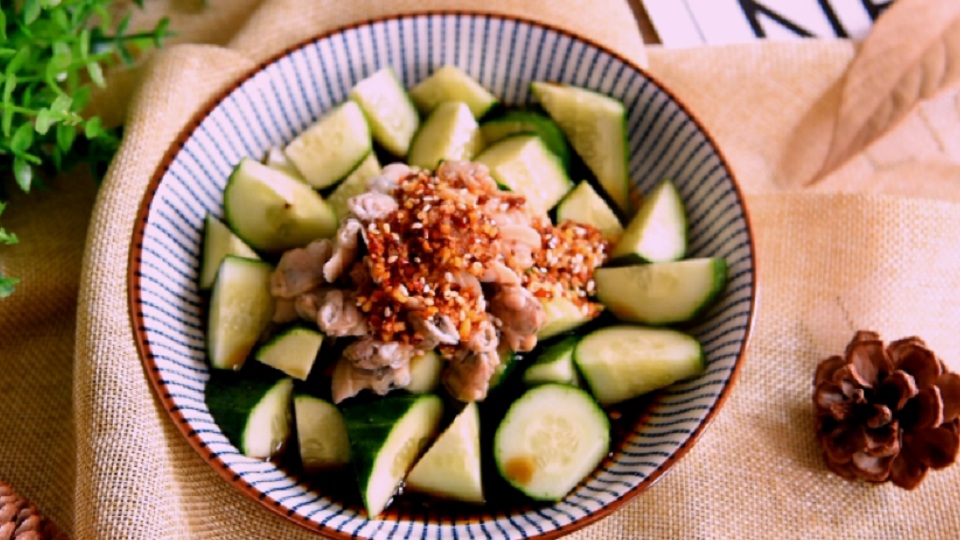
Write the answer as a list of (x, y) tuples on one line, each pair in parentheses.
[(595, 125), (241, 307), (519, 121), (659, 230), (272, 211), (292, 351), (551, 438), (450, 133), (332, 147), (450, 83), (584, 205), (252, 408), (321, 434), (392, 117), (523, 164), (624, 362), (218, 242), (661, 293), (451, 467), (387, 435)]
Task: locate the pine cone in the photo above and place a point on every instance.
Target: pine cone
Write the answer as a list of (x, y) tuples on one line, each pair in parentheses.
[(887, 413), (20, 520)]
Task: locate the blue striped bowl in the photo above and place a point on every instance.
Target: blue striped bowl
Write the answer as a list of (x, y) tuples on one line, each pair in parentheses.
[(279, 99)]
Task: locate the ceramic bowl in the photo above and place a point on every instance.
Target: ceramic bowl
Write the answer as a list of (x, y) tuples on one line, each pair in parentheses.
[(273, 103)]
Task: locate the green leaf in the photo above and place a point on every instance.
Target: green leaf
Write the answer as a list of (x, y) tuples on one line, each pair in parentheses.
[(7, 285), (61, 104), (31, 11), (22, 173), (22, 139), (81, 97), (160, 32), (18, 59), (65, 136), (45, 119), (84, 43), (7, 237), (96, 74), (3, 26), (93, 127)]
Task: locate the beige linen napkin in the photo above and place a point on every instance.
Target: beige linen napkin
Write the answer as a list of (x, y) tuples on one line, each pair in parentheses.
[(829, 264)]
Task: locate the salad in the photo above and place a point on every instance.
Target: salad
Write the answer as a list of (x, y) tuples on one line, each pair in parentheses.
[(462, 317)]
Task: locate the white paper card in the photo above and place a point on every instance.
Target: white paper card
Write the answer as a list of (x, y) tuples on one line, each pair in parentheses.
[(689, 23)]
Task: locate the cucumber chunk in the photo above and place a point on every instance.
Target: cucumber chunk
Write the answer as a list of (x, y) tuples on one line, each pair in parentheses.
[(659, 230), (272, 211), (595, 125), (554, 365), (252, 408), (292, 351), (321, 434), (332, 147), (661, 293), (218, 242), (241, 307), (277, 160), (387, 436), (523, 164), (388, 109), (551, 438), (450, 133), (353, 185), (425, 373), (562, 315), (451, 467), (517, 122), (623, 362), (584, 205), (450, 83)]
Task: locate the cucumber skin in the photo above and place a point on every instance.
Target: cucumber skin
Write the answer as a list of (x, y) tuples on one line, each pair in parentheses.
[(231, 396), (369, 425), (541, 90), (303, 397), (551, 354), (518, 121), (416, 157), (239, 358), (719, 283), (497, 150), (632, 257), (586, 373), (377, 129), (264, 352), (323, 222)]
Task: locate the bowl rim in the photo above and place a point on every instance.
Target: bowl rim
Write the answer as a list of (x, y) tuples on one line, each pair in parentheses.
[(138, 324)]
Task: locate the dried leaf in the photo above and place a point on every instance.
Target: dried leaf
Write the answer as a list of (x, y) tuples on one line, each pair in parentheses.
[(912, 54)]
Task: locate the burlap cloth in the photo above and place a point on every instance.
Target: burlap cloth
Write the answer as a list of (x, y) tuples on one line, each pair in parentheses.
[(82, 436)]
